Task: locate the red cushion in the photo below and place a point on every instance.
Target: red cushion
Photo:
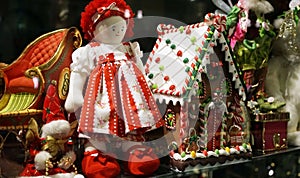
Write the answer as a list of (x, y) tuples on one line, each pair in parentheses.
[(21, 84), (45, 49)]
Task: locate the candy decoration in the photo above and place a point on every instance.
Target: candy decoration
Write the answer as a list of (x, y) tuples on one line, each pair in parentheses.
[(161, 68), (150, 76), (173, 46), (217, 151), (170, 119), (183, 154), (205, 153), (154, 86), (157, 60), (179, 53), (168, 41), (219, 21), (193, 39), (188, 31), (187, 69), (227, 149), (185, 60), (193, 154), (181, 29), (173, 146), (166, 78), (172, 87)]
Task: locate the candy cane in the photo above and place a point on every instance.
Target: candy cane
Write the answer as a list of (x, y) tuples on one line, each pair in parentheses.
[(219, 21)]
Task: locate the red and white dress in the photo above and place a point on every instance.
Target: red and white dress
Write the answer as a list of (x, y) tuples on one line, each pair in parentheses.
[(117, 99)]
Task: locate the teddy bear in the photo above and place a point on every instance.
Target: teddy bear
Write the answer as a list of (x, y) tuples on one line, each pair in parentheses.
[(49, 152), (283, 76)]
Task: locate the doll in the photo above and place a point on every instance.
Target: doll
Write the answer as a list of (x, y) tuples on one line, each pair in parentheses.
[(116, 104), (283, 77)]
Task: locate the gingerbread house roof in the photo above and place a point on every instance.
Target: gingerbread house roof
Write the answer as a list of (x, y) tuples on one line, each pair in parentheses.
[(181, 54)]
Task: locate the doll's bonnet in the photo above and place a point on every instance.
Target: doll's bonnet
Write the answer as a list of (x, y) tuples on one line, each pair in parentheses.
[(98, 10)]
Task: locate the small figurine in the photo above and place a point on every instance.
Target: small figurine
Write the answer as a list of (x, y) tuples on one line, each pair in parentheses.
[(117, 104), (50, 153)]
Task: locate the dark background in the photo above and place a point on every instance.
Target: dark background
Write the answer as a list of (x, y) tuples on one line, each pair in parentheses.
[(23, 21)]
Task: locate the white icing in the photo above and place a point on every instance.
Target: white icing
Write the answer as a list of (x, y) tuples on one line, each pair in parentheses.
[(242, 149), (212, 153), (223, 152), (200, 155), (177, 156), (249, 148), (234, 151)]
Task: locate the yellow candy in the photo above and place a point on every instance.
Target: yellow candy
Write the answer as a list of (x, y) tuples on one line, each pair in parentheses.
[(227, 149), (193, 154)]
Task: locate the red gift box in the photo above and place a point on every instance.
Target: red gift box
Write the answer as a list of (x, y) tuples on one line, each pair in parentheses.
[(269, 131)]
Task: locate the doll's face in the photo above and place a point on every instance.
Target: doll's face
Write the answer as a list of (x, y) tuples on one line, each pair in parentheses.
[(111, 30)]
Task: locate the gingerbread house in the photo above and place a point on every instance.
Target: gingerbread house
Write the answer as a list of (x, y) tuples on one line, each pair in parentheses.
[(193, 73)]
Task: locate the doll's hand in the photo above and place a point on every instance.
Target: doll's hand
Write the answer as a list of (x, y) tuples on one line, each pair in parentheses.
[(73, 102)]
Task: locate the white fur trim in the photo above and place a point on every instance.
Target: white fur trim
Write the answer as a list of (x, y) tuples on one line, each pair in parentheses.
[(56, 128), (40, 160)]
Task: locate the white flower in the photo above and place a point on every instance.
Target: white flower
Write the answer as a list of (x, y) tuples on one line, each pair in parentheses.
[(251, 104), (271, 99), (256, 111)]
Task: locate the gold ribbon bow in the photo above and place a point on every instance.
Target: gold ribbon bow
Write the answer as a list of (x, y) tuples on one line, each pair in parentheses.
[(54, 146)]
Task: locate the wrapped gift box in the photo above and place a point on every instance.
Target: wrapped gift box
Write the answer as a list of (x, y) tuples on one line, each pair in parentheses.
[(269, 131)]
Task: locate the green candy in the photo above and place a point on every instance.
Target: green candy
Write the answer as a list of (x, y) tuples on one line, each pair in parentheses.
[(193, 39), (181, 29), (154, 86), (161, 68), (185, 60), (168, 41), (173, 46), (187, 69), (150, 76)]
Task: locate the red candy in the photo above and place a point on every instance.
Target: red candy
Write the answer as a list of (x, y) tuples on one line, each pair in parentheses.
[(166, 78), (157, 60), (172, 87), (205, 153), (188, 31), (179, 53)]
